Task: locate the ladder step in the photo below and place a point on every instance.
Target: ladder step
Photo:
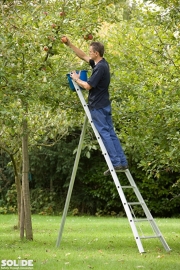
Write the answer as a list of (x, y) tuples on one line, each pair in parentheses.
[(142, 219), (127, 186), (135, 203), (151, 236)]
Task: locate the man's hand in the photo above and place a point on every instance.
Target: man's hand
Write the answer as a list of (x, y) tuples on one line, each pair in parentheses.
[(75, 76), (65, 40)]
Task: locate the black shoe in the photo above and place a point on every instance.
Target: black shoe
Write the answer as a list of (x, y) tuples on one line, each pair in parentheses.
[(119, 168)]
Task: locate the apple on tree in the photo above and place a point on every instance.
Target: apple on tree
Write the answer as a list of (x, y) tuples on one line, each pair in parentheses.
[(88, 37), (62, 13), (46, 49)]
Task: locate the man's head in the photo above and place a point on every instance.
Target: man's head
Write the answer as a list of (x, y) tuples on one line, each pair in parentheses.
[(96, 49)]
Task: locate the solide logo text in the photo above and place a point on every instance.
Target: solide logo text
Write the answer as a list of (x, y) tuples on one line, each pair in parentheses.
[(15, 263)]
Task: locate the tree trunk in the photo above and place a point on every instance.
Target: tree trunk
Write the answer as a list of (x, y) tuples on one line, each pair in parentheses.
[(25, 184), (22, 218), (18, 188)]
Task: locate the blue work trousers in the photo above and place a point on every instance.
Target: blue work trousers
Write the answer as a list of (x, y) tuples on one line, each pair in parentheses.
[(103, 122)]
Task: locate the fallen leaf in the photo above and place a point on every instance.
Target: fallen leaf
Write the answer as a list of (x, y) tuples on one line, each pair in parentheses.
[(160, 256)]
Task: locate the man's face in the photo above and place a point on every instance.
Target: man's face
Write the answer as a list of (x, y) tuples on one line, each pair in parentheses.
[(93, 54)]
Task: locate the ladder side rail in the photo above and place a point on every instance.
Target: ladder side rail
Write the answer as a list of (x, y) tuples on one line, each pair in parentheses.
[(98, 137), (111, 168)]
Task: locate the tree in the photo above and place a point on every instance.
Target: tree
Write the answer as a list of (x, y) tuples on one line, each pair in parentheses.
[(31, 73)]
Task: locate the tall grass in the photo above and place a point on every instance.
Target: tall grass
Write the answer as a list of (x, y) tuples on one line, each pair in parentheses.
[(101, 243)]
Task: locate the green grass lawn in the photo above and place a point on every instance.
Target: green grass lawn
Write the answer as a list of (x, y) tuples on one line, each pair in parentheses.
[(102, 243)]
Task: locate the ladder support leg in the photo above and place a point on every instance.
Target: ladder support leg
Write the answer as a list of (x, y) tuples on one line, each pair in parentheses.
[(147, 212), (72, 181)]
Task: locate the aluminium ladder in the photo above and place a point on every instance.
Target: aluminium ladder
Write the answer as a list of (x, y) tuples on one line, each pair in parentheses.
[(128, 206)]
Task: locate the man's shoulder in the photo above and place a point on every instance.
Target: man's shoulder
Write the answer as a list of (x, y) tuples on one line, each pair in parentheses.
[(103, 62)]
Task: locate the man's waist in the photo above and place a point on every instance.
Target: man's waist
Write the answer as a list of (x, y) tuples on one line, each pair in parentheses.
[(98, 105)]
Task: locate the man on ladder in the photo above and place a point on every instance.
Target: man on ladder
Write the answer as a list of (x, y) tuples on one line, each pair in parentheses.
[(99, 102)]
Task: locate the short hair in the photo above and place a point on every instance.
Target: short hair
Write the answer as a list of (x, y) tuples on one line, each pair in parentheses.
[(98, 47)]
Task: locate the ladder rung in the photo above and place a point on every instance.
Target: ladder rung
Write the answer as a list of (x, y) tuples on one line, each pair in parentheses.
[(127, 186), (142, 219), (135, 203), (151, 236)]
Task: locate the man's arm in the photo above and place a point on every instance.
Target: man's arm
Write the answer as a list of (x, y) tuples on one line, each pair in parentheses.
[(77, 51)]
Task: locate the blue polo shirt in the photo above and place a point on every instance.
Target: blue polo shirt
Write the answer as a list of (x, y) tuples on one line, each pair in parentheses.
[(100, 79)]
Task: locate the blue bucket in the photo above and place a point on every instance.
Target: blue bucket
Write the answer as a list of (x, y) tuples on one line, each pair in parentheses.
[(83, 77)]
